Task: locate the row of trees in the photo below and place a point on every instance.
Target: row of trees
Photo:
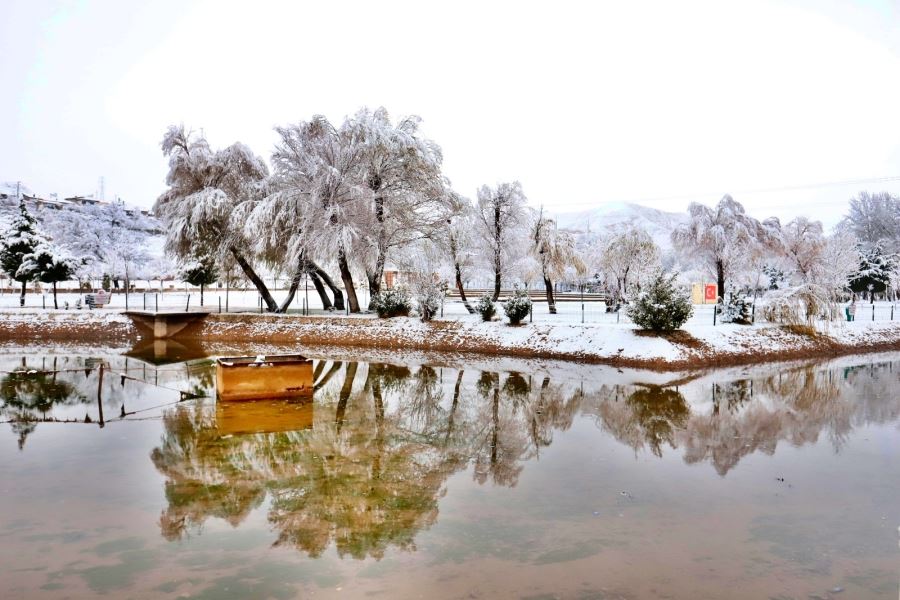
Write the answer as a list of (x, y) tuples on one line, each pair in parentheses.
[(350, 199), (27, 254), (343, 201)]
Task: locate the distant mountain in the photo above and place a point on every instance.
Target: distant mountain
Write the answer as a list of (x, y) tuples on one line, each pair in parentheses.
[(610, 217)]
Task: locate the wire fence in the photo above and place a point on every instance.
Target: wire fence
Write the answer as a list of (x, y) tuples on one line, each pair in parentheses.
[(569, 311)]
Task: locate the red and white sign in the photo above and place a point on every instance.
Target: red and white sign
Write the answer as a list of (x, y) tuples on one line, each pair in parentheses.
[(710, 293)]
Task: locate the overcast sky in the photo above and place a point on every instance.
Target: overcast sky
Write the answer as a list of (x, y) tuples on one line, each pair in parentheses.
[(659, 103)]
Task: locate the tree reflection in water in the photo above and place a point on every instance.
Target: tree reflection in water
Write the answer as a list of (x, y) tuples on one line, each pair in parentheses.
[(368, 472), (28, 394)]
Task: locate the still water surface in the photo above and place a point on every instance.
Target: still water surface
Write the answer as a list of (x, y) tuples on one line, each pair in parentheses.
[(432, 478)]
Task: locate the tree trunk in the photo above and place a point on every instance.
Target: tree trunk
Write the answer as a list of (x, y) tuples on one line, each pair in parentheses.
[(255, 279), (551, 302), (375, 277), (344, 395), (55, 304), (452, 417), (326, 279), (720, 278), (498, 251), (347, 278), (462, 291), (22, 297), (295, 283), (320, 289)]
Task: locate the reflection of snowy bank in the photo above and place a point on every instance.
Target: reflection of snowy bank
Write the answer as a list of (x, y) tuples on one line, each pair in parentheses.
[(697, 346)]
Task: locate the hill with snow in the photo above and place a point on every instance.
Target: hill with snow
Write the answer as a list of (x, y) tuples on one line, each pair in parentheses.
[(611, 217)]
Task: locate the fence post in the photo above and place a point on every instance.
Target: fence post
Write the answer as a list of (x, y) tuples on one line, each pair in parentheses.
[(530, 313), (145, 300), (892, 312), (187, 306), (873, 312), (44, 301), (220, 304), (617, 316), (582, 303), (156, 299), (753, 313), (715, 310)]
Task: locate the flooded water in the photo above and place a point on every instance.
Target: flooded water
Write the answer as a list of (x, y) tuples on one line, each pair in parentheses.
[(418, 477)]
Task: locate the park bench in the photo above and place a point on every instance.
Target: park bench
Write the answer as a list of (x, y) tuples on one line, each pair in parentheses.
[(97, 300)]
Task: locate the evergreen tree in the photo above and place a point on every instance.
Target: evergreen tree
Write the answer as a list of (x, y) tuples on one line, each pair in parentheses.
[(50, 264), (201, 271), (876, 269), (661, 306), (20, 240)]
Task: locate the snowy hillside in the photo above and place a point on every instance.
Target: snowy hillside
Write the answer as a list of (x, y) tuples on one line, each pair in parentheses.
[(610, 217)]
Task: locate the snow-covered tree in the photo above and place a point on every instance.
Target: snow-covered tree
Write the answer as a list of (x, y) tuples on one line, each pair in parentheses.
[(502, 222), (877, 270), (322, 208), (107, 239), (49, 263), (661, 305), (18, 242), (403, 172), (875, 219), (817, 269), (721, 238), (554, 251), (457, 239), (205, 188), (625, 258), (200, 270)]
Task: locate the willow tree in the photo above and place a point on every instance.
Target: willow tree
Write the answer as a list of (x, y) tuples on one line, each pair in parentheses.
[(721, 237), (204, 189), (402, 170), (626, 257), (555, 252), (318, 174)]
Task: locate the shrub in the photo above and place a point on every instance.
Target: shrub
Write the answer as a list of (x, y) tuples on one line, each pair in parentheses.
[(661, 305), (429, 294), (736, 310), (394, 302), (486, 307), (800, 305), (517, 307)]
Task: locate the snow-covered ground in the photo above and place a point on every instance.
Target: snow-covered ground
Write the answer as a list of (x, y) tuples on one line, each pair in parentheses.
[(600, 338)]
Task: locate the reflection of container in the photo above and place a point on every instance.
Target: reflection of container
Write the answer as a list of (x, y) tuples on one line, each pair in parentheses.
[(264, 377), (263, 416)]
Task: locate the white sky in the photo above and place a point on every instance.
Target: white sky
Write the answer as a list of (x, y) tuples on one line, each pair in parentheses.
[(655, 102)]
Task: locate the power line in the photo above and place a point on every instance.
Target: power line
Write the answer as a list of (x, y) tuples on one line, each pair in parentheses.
[(765, 190)]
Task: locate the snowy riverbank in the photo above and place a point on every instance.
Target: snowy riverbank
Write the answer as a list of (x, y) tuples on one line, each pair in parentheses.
[(617, 344)]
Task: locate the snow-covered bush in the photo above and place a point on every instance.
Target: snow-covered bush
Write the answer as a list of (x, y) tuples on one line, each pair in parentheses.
[(517, 307), (486, 307), (736, 310), (429, 294), (799, 305), (661, 305), (394, 302)]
